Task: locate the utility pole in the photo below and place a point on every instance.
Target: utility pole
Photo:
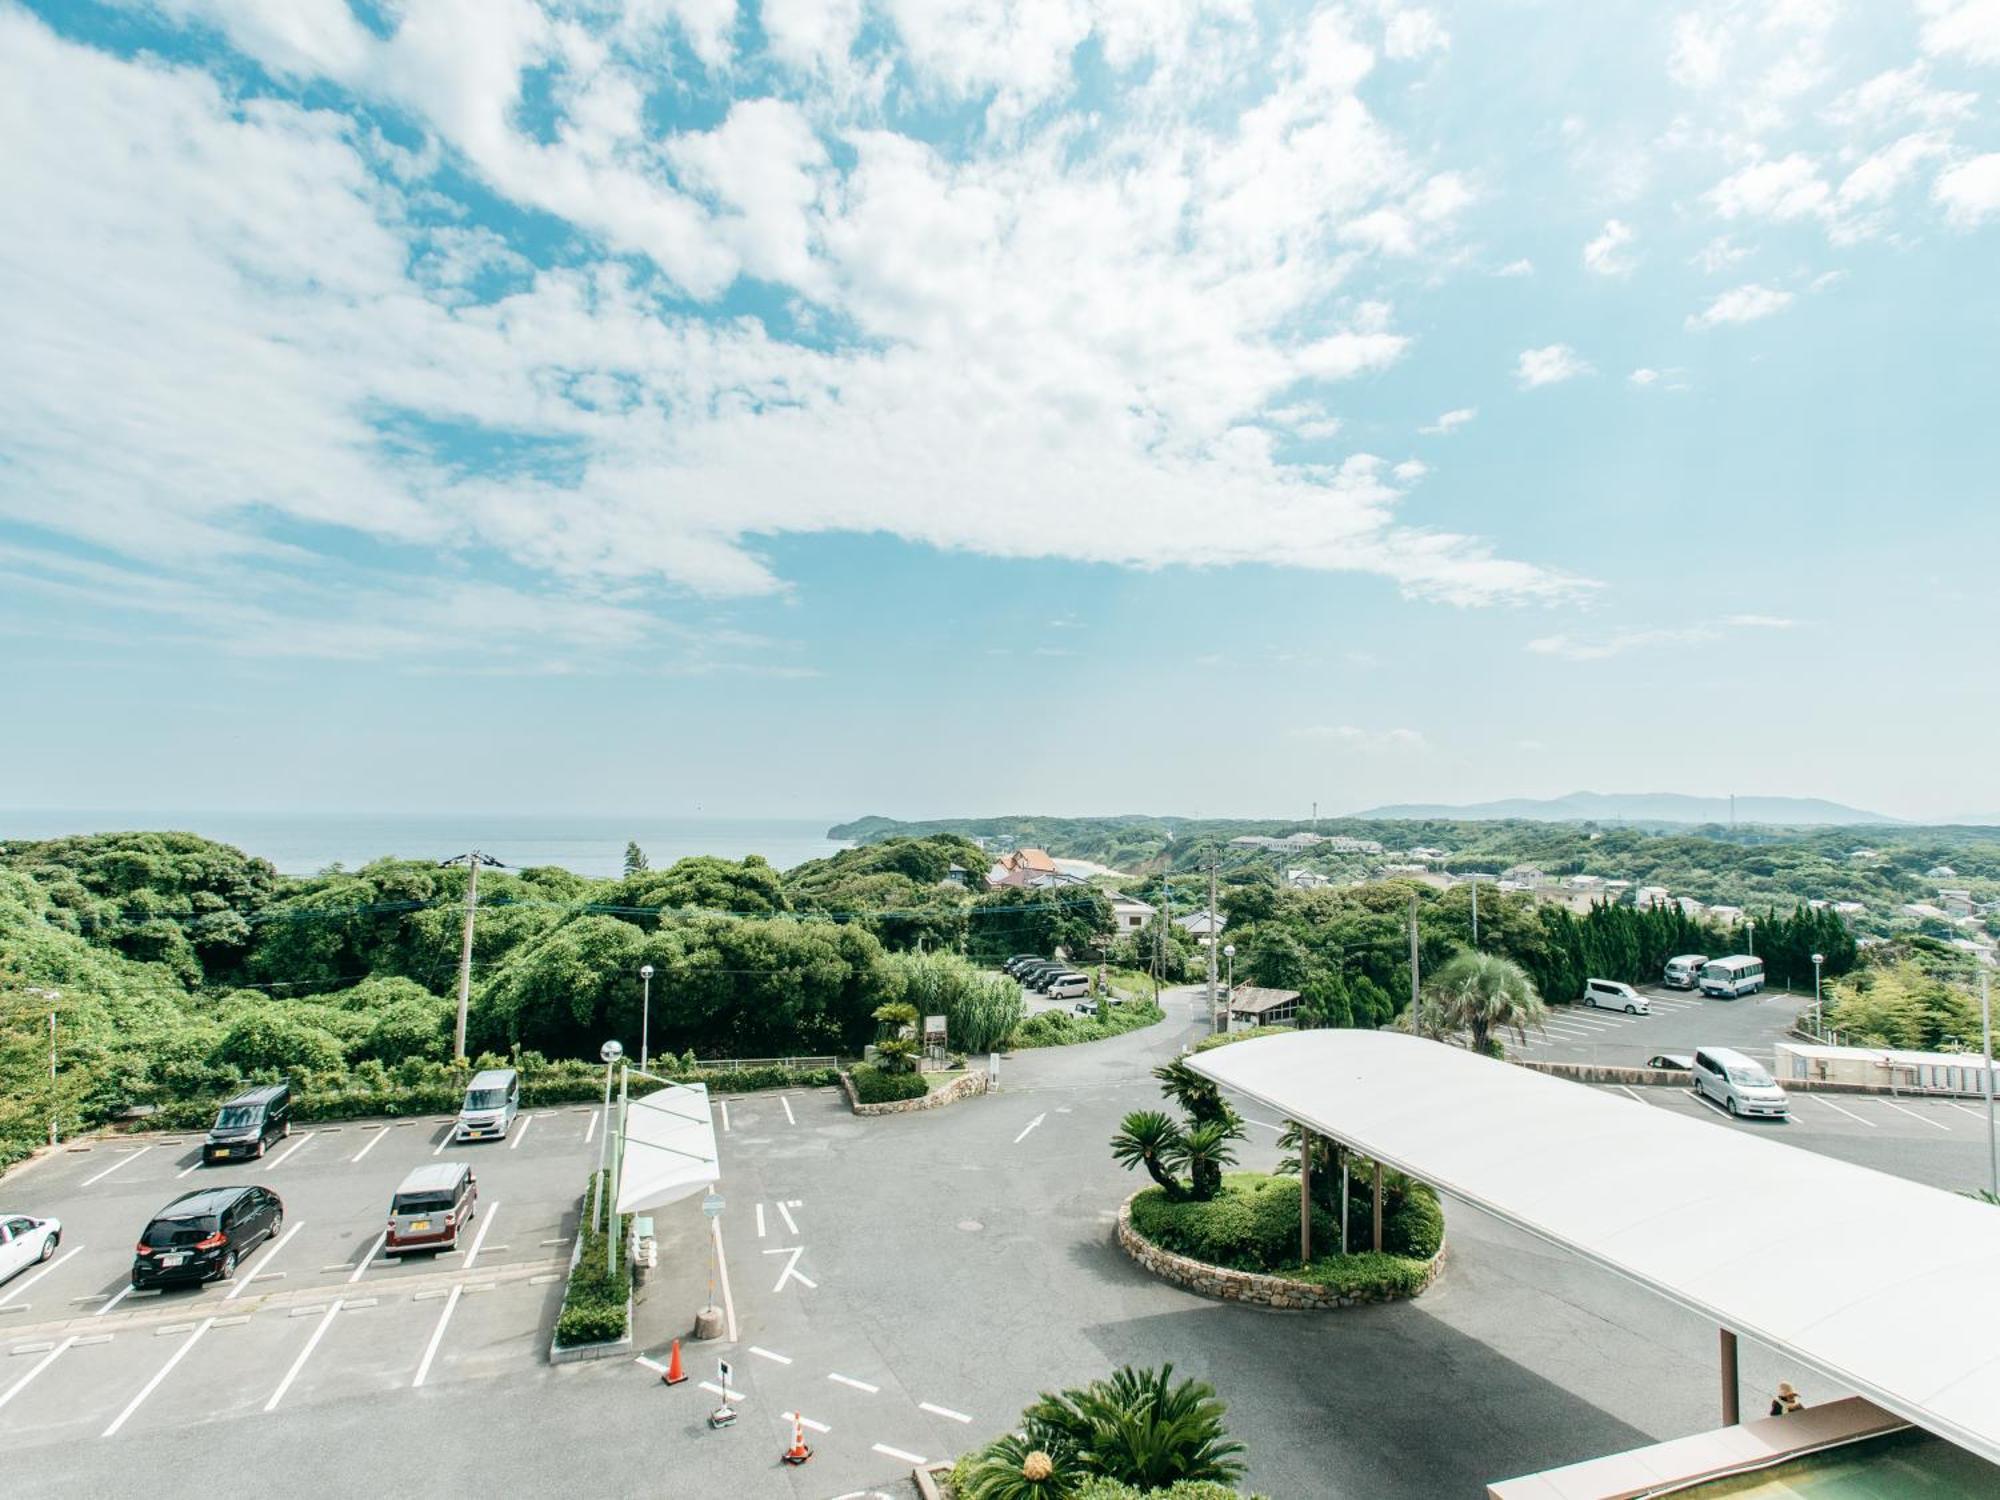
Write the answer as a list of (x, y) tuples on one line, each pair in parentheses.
[(1414, 979), (472, 862), (1475, 914), (1986, 1047), (1214, 937)]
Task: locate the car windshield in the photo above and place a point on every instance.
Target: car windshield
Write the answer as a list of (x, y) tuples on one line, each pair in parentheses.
[(170, 1234), (1751, 1076), (236, 1116), (485, 1098), (422, 1203)]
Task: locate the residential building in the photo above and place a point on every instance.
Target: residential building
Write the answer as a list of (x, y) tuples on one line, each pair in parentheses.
[(1649, 896), (1250, 1005), (1940, 872), (1849, 909), (1307, 880), (1129, 914), (1923, 911), (1021, 867), (1526, 877), (1728, 916), (1202, 923), (1957, 903)]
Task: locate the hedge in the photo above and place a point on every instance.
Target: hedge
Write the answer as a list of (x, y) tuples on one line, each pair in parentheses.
[(1060, 1028), (596, 1301), (1365, 1271), (874, 1086)]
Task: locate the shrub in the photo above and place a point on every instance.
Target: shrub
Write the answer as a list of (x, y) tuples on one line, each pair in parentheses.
[(596, 1301), (1059, 1028), (1415, 1225), (873, 1085), (1251, 1225), (1371, 1271)]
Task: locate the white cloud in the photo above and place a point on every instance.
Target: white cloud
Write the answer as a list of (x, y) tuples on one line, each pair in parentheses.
[(1900, 93), (1700, 51), (1522, 267), (1606, 254), (1719, 254), (1744, 304), (1367, 741), (1409, 32), (1450, 422), (1410, 470), (1549, 365), (1962, 28), (1568, 647), (1760, 622), (1789, 188), (1643, 376), (230, 322), (1970, 191)]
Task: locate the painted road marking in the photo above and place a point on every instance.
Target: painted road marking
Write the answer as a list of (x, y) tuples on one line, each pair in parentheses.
[(283, 1240), (193, 1166), (722, 1274), (122, 1161), (164, 1371), (859, 1385), (785, 1213), (1623, 1090), (1863, 1119), (485, 1223), (122, 1293), (914, 1460), (590, 1129), (522, 1134), (762, 1353), (437, 1337), (760, 1221), (791, 1271), (710, 1385), (290, 1151), (943, 1411), (1030, 1126), (723, 1105), (373, 1141), (792, 1416), (304, 1354), (366, 1259), (782, 1099), (438, 1149), (1934, 1124), (1264, 1124), (23, 1286), (1977, 1114), (55, 1353)]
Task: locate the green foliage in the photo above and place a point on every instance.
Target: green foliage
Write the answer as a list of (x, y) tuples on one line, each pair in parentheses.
[(981, 1009), (1154, 1141), (873, 1085), (1903, 1004), (1480, 993), (896, 889), (1139, 1427), (1252, 1224), (635, 859), (595, 1301), (1012, 1468), (1059, 1028), (701, 883), (1369, 1273), (1035, 919)]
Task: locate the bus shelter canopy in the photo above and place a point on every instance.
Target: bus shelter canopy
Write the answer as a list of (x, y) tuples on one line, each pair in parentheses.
[(669, 1151), (1881, 1284)]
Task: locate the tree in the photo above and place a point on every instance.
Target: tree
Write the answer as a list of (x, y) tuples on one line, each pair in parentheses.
[(1480, 993), (1140, 1427), (1204, 1150), (1201, 1148), (899, 1051), (635, 859), (1151, 1140)]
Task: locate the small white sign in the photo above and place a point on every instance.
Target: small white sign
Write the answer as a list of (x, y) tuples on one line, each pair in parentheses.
[(722, 1374), (712, 1205)]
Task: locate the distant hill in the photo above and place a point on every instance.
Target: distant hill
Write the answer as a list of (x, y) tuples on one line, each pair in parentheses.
[(1639, 807)]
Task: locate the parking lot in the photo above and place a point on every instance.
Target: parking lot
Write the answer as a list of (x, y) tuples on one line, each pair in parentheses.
[(1681, 1021), (314, 1315)]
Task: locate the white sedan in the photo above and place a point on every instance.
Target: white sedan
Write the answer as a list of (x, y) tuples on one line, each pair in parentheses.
[(25, 1240)]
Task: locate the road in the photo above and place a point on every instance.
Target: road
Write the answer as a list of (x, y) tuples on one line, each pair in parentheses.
[(907, 1284)]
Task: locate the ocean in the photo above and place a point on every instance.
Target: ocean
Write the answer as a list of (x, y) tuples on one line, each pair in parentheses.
[(306, 843)]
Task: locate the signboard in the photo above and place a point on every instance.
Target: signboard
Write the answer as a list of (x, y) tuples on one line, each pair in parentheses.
[(722, 1374), (934, 1030), (712, 1205)]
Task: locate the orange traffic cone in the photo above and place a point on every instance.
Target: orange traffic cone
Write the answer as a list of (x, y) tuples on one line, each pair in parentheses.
[(798, 1453), (675, 1374)]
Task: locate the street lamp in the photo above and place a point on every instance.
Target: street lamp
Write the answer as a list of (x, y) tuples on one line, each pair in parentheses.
[(1819, 1019), (645, 1016), (1750, 926), (1229, 952), (610, 1052)]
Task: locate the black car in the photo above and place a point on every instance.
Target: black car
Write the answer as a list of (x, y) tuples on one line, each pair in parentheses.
[(247, 1124), (203, 1235)]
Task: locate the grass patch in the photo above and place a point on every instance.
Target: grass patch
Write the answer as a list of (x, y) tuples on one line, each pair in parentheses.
[(1059, 1028)]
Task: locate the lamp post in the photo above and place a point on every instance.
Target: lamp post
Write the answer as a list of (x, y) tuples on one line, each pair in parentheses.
[(1819, 1019), (645, 1016), (610, 1052), (1986, 1049), (1229, 987), (1750, 926)]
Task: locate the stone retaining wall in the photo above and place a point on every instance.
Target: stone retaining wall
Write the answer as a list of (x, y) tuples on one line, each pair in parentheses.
[(1245, 1286), (974, 1082), (1639, 1077)]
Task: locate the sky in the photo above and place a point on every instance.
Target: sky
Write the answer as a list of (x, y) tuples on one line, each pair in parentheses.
[(825, 407)]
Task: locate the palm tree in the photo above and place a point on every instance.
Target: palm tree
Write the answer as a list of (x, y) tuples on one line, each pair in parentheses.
[(1204, 1151), (1481, 993), (1149, 1139)]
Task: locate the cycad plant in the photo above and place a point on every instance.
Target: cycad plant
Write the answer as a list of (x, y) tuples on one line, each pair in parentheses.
[(1201, 1148), (1014, 1468), (1203, 1151), (1140, 1427), (1150, 1140)]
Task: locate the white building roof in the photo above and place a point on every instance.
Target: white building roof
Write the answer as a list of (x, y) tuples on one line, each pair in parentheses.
[(669, 1148), (1881, 1284)]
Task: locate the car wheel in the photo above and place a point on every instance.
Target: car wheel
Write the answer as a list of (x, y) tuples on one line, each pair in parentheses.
[(284, 1130), (277, 1222), (49, 1246), (1730, 1104), (227, 1270), (1631, 1010), (260, 1146)]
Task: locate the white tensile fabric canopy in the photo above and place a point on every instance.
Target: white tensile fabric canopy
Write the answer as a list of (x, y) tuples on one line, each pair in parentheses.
[(1879, 1283), (669, 1148)]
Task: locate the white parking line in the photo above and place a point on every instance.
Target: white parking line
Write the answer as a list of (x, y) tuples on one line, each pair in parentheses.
[(373, 1141), (590, 1129), (123, 1161), (943, 1411), (123, 1292), (290, 1151), (1977, 1114), (859, 1385), (710, 1385), (380, 1240), (1262, 1124), (304, 1355), (22, 1286), (722, 1275), (783, 1359), (283, 1240), (485, 1223), (437, 1337), (791, 1271), (760, 1221), (1030, 1126), (40, 1365), (1862, 1119), (164, 1371), (438, 1149), (723, 1105), (1623, 1090), (522, 1134), (194, 1166), (786, 1214), (1934, 1124), (914, 1460), (792, 1416), (782, 1099)]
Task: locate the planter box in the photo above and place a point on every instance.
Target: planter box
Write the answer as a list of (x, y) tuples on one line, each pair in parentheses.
[(577, 1353), (974, 1082)]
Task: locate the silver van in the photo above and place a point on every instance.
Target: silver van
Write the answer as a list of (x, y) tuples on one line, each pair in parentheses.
[(1684, 971), (1739, 1084), (1611, 994), (1069, 987), (430, 1210), (492, 1100)]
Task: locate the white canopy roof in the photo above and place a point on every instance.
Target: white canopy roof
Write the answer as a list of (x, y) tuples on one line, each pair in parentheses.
[(1880, 1283), (669, 1148)]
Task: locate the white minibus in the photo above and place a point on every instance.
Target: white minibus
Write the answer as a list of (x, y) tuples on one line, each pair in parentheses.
[(1728, 978)]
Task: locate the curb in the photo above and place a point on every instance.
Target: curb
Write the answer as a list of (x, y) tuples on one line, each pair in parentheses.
[(974, 1082)]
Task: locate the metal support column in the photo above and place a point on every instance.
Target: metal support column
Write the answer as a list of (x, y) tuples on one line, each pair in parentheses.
[(1305, 1195), (1731, 1409), (1376, 1243)]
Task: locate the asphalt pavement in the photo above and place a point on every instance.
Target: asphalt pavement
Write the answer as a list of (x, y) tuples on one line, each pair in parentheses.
[(1681, 1020)]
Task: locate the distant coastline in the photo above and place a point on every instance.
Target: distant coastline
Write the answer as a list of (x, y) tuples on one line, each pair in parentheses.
[(306, 843)]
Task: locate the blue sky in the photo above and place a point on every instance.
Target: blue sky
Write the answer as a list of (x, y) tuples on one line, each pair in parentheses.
[(926, 408)]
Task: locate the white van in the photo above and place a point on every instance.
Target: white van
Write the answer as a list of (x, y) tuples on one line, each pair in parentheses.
[(1684, 972), (1610, 994), (1739, 1084), (1728, 978), (492, 1100), (1069, 987)]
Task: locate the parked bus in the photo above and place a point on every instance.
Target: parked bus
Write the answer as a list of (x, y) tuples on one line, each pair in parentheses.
[(1728, 978)]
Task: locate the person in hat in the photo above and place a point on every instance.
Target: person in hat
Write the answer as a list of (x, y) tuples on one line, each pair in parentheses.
[(1786, 1401)]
